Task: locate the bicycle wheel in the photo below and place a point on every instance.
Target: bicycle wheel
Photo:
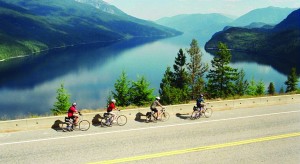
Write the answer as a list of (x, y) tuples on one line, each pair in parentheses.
[(165, 116), (208, 112), (121, 120), (84, 125), (194, 115)]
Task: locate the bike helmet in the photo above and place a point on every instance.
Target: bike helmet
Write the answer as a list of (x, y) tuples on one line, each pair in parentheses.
[(74, 104), (113, 100), (201, 95), (157, 98)]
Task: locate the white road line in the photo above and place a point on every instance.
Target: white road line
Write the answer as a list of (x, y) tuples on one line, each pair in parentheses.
[(147, 128)]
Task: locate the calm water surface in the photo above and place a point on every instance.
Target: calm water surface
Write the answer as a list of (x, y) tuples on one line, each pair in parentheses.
[(28, 85)]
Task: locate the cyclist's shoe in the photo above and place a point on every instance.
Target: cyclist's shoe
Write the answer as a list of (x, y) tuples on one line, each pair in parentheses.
[(69, 128), (114, 121)]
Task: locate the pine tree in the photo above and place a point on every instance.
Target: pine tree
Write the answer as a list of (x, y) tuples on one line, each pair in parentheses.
[(196, 69), (168, 93), (181, 80), (251, 90), (260, 88), (62, 104), (180, 74), (281, 91), (271, 89), (140, 93), (121, 93), (241, 84), (221, 77), (292, 80)]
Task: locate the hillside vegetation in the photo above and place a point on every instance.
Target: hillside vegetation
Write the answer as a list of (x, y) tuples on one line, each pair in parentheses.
[(32, 26), (281, 41)]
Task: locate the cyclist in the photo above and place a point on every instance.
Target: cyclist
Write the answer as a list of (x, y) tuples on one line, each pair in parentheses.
[(154, 105), (73, 114), (200, 103), (111, 107)]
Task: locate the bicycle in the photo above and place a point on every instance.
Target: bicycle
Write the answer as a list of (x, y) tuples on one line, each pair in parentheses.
[(69, 124), (107, 120), (207, 112), (164, 116)]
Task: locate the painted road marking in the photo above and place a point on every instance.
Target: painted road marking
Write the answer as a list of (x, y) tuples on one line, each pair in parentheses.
[(197, 149), (147, 128)]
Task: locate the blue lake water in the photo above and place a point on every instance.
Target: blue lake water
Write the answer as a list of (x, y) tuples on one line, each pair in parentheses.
[(28, 85)]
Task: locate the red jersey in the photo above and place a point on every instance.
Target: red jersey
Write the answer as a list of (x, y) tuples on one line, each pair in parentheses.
[(110, 107), (71, 111)]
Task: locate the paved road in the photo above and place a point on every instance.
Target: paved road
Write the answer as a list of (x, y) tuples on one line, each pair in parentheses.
[(249, 135)]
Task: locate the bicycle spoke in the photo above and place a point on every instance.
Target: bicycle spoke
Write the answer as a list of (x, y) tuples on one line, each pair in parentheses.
[(84, 125), (121, 120), (208, 112), (165, 116)]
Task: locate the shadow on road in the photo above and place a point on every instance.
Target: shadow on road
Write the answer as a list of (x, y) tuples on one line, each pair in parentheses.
[(140, 117), (56, 126), (183, 116), (96, 120)]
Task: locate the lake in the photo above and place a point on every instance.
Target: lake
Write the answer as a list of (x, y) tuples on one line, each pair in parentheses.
[(28, 85)]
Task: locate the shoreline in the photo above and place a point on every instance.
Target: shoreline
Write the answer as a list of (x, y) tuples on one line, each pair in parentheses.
[(58, 47), (78, 44)]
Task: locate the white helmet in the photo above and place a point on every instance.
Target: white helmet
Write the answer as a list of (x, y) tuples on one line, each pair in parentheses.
[(74, 104), (113, 100), (157, 98)]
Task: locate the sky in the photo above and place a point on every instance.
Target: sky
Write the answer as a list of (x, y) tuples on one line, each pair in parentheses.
[(155, 9)]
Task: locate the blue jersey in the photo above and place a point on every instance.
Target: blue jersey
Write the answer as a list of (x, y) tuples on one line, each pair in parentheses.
[(200, 101)]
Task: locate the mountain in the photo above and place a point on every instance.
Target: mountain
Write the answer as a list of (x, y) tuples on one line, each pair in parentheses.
[(32, 26), (269, 15), (198, 24), (283, 41), (103, 6)]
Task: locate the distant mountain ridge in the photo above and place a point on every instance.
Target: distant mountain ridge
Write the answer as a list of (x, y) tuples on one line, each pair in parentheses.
[(282, 41), (32, 26), (269, 15), (206, 25), (203, 25)]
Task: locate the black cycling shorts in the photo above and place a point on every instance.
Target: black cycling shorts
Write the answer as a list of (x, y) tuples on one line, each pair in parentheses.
[(154, 110)]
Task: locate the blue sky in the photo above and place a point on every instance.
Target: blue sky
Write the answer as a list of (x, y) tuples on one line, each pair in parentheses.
[(155, 9)]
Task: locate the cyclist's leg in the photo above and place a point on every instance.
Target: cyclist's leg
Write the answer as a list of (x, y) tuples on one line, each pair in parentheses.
[(155, 113), (113, 116)]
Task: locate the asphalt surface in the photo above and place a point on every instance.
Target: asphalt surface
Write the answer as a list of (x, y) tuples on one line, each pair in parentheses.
[(247, 135)]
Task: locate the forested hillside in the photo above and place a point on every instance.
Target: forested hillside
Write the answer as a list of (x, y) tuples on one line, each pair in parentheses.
[(32, 26), (282, 41)]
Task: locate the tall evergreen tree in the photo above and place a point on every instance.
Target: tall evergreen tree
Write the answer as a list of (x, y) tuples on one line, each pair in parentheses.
[(196, 69), (121, 93), (180, 74), (271, 89), (181, 79), (241, 84), (166, 87), (140, 93), (292, 81), (168, 93), (63, 101), (221, 77)]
